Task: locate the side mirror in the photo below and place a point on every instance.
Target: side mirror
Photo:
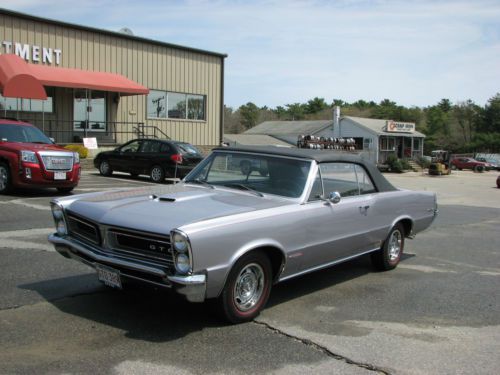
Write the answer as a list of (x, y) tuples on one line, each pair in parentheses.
[(334, 197), (53, 140)]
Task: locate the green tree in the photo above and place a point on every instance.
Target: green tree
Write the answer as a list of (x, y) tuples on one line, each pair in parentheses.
[(296, 111), (249, 114), (491, 117), (315, 105)]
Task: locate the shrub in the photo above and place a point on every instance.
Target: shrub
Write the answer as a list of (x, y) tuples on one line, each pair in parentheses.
[(82, 150), (394, 163), (405, 164)]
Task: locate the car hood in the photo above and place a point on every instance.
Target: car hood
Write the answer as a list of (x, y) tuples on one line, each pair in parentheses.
[(35, 147), (161, 209)]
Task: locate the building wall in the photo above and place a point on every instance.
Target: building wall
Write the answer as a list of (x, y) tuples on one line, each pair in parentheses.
[(350, 129), (153, 65)]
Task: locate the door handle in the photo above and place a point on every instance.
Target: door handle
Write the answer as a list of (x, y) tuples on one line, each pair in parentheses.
[(363, 210)]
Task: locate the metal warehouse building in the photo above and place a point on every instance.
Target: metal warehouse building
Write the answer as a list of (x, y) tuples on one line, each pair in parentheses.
[(75, 82)]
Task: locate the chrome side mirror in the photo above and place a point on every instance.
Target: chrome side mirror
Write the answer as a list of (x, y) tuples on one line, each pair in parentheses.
[(334, 197)]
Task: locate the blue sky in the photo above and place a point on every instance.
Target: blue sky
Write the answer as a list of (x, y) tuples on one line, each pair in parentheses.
[(281, 52)]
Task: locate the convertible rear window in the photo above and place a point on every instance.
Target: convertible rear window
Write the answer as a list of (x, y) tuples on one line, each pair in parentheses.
[(348, 179)]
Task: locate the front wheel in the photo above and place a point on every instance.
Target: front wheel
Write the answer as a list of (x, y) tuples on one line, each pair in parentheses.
[(5, 179), (388, 257), (105, 168), (247, 288)]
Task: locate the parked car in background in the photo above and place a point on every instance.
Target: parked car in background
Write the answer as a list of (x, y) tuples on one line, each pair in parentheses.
[(229, 234), (153, 157), (468, 163), (30, 159), (492, 163)]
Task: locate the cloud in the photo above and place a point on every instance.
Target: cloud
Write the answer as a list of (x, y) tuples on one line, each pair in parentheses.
[(287, 51)]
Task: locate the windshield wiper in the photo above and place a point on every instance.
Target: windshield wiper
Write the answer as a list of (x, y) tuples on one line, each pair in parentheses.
[(245, 187), (200, 182)]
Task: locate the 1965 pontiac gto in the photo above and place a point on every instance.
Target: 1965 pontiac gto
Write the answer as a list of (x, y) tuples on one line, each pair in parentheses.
[(230, 233)]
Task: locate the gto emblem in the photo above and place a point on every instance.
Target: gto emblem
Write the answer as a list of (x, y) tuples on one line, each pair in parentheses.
[(160, 248)]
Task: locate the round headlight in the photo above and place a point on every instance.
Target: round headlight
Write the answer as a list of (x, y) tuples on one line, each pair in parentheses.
[(57, 212), (61, 228), (182, 263), (180, 243)]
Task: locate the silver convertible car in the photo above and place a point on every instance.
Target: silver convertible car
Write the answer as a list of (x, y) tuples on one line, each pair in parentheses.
[(229, 233)]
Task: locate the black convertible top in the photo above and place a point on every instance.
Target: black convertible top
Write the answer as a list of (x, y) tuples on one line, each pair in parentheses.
[(320, 156)]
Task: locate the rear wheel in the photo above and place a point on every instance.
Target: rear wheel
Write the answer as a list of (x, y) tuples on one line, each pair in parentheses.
[(247, 288), (388, 257), (105, 168), (157, 174), (5, 178)]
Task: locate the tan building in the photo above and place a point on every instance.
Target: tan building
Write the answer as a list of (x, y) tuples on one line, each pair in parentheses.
[(75, 82)]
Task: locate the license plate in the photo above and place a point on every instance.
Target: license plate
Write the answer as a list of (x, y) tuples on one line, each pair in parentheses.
[(109, 276), (59, 175)]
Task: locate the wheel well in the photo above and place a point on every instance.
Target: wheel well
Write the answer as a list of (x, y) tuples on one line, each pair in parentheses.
[(276, 257), (407, 226)]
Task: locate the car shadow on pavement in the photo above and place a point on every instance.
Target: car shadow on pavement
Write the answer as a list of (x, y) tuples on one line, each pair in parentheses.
[(142, 312), (322, 279), (145, 313)]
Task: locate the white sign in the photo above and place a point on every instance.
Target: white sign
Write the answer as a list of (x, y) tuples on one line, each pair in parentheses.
[(32, 53), (90, 143), (400, 127)]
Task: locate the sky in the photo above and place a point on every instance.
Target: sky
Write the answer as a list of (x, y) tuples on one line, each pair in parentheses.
[(281, 52)]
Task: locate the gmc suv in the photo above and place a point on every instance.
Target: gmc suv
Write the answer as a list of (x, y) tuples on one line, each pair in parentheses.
[(28, 158)]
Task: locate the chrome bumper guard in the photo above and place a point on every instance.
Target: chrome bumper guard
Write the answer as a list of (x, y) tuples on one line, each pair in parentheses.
[(193, 287)]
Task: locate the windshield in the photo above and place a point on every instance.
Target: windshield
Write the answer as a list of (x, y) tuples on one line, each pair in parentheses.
[(23, 134), (259, 173)]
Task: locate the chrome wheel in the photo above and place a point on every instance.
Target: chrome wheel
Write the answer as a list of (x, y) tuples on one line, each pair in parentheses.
[(156, 174), (4, 178), (249, 287), (395, 245), (105, 168)]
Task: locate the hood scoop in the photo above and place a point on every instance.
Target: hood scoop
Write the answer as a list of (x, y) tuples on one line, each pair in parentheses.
[(180, 196)]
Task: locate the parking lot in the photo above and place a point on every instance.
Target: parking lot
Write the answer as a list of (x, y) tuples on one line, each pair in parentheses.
[(437, 313)]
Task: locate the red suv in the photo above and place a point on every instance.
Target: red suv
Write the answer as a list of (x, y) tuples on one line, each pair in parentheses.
[(28, 158)]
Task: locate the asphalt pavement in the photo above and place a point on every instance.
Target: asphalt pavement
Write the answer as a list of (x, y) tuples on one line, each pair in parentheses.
[(437, 313)]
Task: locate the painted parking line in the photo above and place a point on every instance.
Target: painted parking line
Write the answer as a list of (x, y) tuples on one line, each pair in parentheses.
[(26, 239)]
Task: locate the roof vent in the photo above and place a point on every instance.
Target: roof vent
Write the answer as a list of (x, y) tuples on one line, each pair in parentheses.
[(126, 30)]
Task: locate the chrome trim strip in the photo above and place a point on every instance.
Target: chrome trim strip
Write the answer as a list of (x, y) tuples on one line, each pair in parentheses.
[(320, 267), (75, 247)]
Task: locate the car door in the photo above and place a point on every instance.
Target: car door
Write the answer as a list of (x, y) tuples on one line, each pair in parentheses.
[(339, 230), (124, 159), (148, 156)]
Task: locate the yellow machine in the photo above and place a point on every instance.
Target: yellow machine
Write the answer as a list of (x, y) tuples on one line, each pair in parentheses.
[(440, 163)]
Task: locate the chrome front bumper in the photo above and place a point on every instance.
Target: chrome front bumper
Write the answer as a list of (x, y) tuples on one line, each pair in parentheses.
[(193, 287)]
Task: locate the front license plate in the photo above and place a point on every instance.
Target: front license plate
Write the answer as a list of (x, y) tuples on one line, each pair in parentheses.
[(59, 175), (109, 276)]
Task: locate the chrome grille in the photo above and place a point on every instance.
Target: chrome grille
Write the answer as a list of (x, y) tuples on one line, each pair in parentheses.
[(143, 245), (57, 161), (84, 229)]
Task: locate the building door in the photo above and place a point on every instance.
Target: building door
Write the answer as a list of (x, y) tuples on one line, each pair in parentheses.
[(89, 111)]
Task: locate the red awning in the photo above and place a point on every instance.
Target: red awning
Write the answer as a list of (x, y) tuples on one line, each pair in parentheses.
[(19, 79)]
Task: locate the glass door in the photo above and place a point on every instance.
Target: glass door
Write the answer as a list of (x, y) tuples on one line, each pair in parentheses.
[(89, 111)]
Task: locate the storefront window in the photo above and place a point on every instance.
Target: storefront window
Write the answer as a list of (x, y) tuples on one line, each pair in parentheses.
[(28, 105), (157, 104), (162, 104), (387, 144), (416, 144), (176, 105)]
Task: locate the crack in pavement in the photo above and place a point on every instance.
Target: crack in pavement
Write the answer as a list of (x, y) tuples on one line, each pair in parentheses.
[(323, 349)]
